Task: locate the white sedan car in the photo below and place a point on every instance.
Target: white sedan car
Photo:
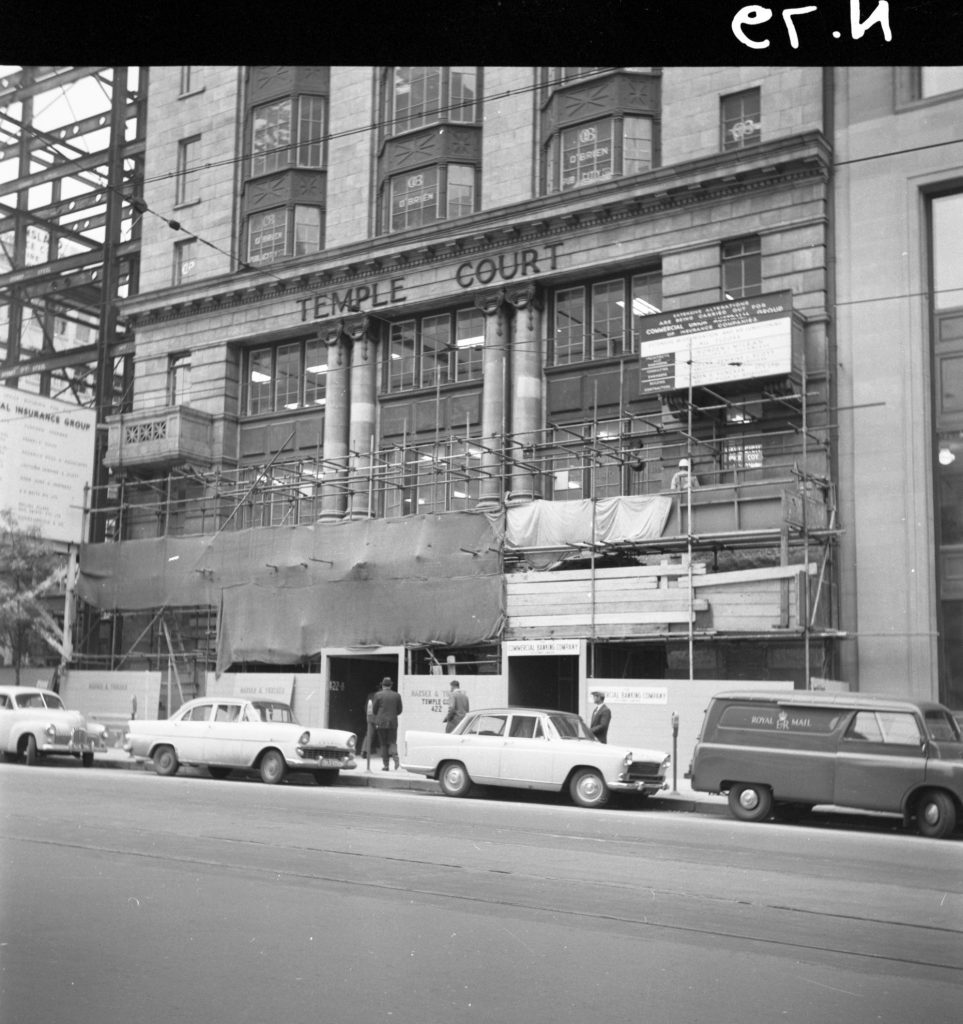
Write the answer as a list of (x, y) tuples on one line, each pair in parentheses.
[(34, 723), (225, 734), (528, 748)]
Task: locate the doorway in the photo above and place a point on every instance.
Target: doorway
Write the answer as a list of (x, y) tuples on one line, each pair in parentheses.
[(544, 681), (352, 679)]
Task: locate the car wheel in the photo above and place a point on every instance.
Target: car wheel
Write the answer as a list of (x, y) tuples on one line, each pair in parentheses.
[(454, 779), (217, 771), (750, 802), (935, 814), (30, 754), (165, 761), (87, 758), (273, 767), (588, 788)]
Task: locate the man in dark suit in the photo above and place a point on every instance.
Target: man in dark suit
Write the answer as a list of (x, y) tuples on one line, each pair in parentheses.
[(387, 707), (601, 716)]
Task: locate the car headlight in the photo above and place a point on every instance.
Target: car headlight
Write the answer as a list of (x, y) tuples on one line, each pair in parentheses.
[(304, 739), (352, 742), (51, 731), (666, 762), (627, 760)]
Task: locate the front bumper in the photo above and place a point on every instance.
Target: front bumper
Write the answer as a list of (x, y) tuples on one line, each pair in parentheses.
[(311, 758), (647, 787), (73, 743)]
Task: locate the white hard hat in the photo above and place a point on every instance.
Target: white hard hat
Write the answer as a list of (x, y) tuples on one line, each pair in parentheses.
[(683, 463)]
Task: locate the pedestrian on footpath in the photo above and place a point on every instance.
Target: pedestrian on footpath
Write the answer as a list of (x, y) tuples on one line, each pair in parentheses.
[(387, 707), (601, 716), (371, 733), (457, 706)]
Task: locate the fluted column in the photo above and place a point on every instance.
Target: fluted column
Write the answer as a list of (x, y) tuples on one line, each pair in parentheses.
[(494, 362), (334, 489), (526, 377), (364, 404)]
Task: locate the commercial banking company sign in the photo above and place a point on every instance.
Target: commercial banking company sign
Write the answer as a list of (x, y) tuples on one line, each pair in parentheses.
[(46, 459), (726, 341)]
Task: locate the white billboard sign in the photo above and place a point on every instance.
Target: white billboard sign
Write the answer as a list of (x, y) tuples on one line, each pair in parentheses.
[(727, 341), (46, 460)]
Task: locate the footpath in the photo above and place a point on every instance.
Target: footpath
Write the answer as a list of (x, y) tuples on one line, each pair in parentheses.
[(680, 798)]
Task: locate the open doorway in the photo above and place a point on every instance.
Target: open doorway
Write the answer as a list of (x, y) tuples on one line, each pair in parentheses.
[(544, 681), (351, 679)]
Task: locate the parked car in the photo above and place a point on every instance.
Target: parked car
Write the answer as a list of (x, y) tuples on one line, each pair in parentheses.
[(34, 724), (530, 748), (225, 734), (785, 752)]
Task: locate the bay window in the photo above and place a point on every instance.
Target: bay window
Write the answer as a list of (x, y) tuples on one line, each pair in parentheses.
[(275, 234), (419, 96), (597, 151), (429, 195), (288, 132)]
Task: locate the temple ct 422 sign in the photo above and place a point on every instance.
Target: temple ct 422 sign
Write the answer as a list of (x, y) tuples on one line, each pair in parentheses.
[(752, 15)]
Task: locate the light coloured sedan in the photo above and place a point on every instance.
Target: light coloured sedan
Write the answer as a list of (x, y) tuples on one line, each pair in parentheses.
[(35, 724), (225, 734), (529, 748)]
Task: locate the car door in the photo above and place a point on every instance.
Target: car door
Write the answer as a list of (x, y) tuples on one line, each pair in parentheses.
[(526, 755), (880, 759), (224, 739), (189, 732), (480, 746)]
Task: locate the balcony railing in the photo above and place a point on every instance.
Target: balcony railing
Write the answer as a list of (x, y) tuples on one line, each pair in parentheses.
[(162, 437)]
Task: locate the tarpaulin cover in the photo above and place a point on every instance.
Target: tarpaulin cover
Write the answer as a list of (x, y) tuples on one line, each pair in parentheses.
[(286, 592), (555, 524)]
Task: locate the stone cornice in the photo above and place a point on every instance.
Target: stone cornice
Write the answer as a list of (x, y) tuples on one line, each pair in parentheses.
[(779, 164)]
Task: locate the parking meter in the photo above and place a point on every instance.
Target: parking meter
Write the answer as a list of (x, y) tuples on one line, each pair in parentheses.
[(675, 750)]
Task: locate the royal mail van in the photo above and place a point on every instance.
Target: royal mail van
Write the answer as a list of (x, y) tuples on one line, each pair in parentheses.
[(777, 753)]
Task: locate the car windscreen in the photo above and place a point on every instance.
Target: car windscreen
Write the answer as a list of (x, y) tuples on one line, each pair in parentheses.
[(271, 711), (570, 728), (940, 726), (36, 700)]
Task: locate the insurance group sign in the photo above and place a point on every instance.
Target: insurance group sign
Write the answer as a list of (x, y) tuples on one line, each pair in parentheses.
[(47, 455)]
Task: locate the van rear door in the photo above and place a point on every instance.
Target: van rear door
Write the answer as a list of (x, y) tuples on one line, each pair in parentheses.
[(880, 759)]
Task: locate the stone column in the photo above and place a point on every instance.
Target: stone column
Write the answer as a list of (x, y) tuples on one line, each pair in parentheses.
[(334, 488), (364, 404), (526, 378), (494, 362)]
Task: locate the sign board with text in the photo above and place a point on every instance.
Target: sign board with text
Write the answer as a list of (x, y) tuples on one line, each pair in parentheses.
[(47, 455), (727, 341)]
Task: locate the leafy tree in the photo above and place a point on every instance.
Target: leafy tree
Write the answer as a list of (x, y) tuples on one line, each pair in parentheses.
[(29, 569)]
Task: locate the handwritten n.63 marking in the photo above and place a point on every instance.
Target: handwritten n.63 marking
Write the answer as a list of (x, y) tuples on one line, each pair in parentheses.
[(754, 14)]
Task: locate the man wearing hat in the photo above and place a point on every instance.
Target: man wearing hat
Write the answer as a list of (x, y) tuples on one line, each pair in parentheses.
[(601, 716), (386, 708), (681, 478), (457, 706)]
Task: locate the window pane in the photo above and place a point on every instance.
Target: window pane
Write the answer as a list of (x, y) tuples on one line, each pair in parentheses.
[(646, 299), (414, 199), (936, 80), (287, 393), (179, 379), (741, 120), (469, 343), (307, 230), (416, 95), (587, 154), (185, 260), (435, 339), (570, 326), (461, 190), (315, 372), (271, 137), (259, 383), (637, 146), (948, 251), (267, 233), (310, 131), (741, 268), (187, 174), (463, 94), (608, 319), (401, 356)]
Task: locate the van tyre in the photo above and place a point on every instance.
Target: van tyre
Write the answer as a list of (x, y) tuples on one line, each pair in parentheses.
[(750, 802), (588, 788), (935, 814)]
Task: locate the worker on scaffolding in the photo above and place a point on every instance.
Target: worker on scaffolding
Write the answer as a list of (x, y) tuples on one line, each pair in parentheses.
[(683, 478)]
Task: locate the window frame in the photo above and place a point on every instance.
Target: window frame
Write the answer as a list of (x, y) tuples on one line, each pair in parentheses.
[(268, 397), (185, 251), (187, 179), (292, 218), (288, 154), (732, 121), (179, 378), (409, 348), (733, 253), (437, 109), (442, 205)]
